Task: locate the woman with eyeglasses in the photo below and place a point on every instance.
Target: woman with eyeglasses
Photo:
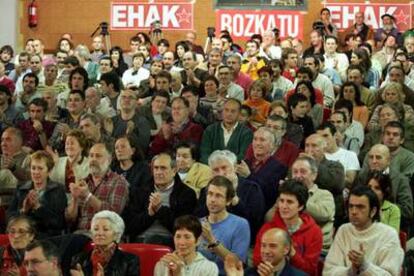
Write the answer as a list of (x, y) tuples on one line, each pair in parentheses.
[(21, 231)]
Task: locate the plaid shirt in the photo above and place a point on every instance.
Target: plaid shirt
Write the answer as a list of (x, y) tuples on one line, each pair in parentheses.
[(112, 191)]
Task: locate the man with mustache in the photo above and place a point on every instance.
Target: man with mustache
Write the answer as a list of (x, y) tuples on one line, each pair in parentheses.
[(101, 190)]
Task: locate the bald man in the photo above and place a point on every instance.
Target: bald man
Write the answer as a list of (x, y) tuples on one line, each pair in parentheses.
[(331, 174), (275, 247), (379, 159)]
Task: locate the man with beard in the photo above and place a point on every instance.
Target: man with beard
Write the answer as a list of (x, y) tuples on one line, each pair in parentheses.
[(101, 190), (388, 28), (30, 84)]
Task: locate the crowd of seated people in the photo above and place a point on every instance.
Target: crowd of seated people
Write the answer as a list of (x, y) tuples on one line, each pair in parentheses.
[(268, 158)]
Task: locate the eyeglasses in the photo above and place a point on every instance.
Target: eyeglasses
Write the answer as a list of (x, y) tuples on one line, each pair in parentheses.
[(34, 262), (20, 232)]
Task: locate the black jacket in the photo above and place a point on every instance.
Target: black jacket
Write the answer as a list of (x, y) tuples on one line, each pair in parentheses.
[(182, 202), (50, 216), (121, 264)]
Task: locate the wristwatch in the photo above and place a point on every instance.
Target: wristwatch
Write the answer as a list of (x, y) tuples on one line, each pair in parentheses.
[(213, 245)]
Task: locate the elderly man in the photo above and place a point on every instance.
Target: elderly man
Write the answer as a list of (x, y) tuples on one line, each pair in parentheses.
[(248, 201), (274, 255), (379, 160), (101, 190), (152, 209), (331, 174), (228, 134), (130, 122), (364, 246), (261, 167), (388, 28), (268, 50), (286, 152), (94, 103), (14, 164), (360, 28)]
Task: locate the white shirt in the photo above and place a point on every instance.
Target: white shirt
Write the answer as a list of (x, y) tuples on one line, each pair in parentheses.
[(135, 80), (227, 133), (338, 62), (324, 84), (347, 158)]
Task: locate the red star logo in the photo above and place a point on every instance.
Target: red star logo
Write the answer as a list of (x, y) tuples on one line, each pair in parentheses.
[(401, 19), (184, 16)]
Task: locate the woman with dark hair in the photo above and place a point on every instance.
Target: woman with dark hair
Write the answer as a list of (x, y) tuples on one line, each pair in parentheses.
[(145, 39), (21, 231), (130, 162), (350, 91), (65, 45), (118, 63), (361, 57), (315, 110), (180, 48), (390, 213), (209, 87), (185, 260)]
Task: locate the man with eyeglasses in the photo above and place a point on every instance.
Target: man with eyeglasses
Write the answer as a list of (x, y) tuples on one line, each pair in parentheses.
[(286, 151), (41, 259), (227, 88)]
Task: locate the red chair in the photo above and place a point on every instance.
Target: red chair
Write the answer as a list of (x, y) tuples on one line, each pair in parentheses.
[(403, 240), (4, 239), (149, 255)]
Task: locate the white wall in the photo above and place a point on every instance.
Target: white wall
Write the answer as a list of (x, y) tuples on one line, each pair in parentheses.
[(8, 22)]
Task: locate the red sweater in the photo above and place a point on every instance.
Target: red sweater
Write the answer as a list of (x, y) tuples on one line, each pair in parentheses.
[(307, 242), (191, 133)]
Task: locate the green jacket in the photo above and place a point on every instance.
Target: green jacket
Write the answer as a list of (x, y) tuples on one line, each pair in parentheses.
[(213, 139), (390, 215)]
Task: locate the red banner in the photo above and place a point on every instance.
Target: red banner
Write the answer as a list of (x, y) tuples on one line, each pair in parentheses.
[(343, 14), (245, 23), (140, 16)]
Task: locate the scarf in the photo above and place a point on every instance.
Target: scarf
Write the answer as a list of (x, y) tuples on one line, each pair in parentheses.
[(101, 256), (11, 259)]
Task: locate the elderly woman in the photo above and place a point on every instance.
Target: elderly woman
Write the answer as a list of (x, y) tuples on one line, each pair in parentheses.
[(390, 213), (74, 165), (105, 258), (84, 56), (185, 260), (194, 174), (392, 94), (21, 231), (41, 199)]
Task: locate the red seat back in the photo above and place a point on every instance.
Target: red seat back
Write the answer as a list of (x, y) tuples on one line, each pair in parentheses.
[(403, 240), (149, 255), (4, 239)]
